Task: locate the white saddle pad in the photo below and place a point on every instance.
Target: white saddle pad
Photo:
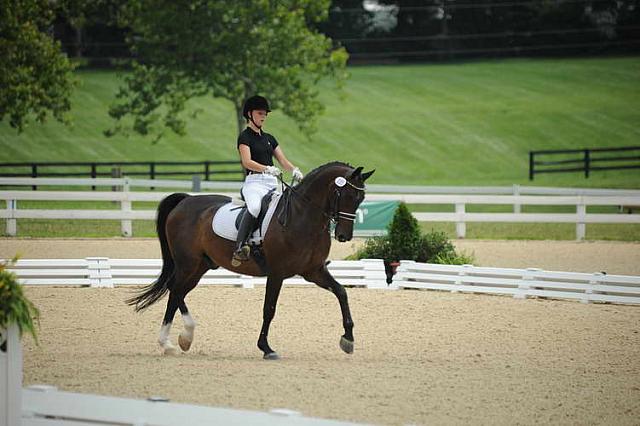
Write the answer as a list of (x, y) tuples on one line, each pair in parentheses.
[(224, 221)]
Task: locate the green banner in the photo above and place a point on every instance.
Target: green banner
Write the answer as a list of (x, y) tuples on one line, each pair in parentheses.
[(372, 217)]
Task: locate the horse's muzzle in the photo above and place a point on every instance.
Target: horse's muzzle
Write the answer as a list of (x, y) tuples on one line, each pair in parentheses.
[(342, 238)]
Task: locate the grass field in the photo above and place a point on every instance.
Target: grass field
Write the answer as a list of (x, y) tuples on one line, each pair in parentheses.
[(445, 124), (452, 124)]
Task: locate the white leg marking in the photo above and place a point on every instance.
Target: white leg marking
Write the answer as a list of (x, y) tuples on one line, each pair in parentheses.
[(189, 323), (164, 341), (186, 337)]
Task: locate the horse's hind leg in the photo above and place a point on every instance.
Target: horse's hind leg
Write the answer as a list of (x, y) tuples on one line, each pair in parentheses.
[(163, 339), (324, 279), (182, 284), (185, 338)]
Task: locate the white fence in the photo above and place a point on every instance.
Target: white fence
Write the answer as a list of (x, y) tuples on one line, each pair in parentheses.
[(367, 273), (520, 283), (106, 272), (371, 188), (126, 214)]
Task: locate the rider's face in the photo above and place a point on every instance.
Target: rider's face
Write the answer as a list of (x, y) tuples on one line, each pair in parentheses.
[(259, 116)]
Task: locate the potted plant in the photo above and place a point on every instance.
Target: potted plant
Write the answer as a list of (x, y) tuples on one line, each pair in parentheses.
[(15, 308)]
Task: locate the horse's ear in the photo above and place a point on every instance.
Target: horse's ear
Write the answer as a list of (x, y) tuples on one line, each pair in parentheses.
[(355, 173), (367, 175)]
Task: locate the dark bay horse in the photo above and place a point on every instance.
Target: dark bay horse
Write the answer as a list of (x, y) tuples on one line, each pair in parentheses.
[(299, 246)]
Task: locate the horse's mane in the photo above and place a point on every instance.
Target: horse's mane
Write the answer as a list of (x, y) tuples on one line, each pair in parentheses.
[(313, 174)]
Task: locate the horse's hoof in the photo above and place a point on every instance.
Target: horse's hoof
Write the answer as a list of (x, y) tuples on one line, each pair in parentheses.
[(170, 351), (184, 343), (346, 345), (271, 356)]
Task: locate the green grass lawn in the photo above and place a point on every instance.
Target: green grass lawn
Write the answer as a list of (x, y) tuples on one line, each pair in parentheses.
[(443, 124)]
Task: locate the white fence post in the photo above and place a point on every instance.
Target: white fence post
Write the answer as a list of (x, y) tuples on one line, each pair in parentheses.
[(581, 210), (595, 280), (247, 281), (464, 270), (125, 206), (12, 225), (10, 377), (99, 272), (461, 226), (525, 283), (374, 274), (401, 273), (516, 193)]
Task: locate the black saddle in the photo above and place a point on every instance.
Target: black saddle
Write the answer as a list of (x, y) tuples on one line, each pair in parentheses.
[(264, 205)]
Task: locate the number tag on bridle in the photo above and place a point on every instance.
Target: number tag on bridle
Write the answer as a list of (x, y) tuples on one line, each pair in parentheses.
[(340, 181)]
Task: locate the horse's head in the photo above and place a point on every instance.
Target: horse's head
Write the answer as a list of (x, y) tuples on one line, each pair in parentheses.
[(347, 194)]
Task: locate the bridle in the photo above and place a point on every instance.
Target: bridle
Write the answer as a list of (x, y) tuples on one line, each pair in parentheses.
[(334, 214), (337, 214)]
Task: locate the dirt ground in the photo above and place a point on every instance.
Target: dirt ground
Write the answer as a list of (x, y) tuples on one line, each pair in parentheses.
[(421, 357)]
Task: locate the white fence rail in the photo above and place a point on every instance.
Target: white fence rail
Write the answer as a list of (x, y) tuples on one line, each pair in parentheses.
[(520, 283), (107, 272), (369, 273), (371, 188), (46, 406), (126, 214)]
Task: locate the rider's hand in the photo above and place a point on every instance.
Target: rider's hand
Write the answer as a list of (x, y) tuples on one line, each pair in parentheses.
[(297, 174), (273, 171)]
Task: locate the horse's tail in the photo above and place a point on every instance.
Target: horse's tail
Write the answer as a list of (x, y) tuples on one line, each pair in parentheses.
[(153, 292)]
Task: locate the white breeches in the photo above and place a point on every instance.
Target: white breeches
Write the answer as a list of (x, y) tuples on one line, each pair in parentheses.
[(255, 187)]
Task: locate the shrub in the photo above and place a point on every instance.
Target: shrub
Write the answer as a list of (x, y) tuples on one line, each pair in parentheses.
[(15, 308), (404, 241), (404, 235)]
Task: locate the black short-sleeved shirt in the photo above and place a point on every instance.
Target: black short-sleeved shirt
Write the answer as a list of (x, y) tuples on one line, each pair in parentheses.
[(261, 146)]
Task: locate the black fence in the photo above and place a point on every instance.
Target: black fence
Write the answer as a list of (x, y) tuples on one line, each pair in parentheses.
[(207, 170), (583, 160)]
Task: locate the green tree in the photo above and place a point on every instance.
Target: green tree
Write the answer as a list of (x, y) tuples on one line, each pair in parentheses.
[(229, 50), (404, 233), (36, 79)]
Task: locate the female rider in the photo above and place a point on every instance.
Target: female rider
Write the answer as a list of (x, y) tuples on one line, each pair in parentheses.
[(257, 149)]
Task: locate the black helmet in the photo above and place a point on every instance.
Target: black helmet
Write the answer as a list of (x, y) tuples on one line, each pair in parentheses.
[(253, 103)]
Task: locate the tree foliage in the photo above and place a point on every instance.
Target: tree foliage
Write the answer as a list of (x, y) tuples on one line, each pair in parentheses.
[(446, 29), (36, 79), (229, 50)]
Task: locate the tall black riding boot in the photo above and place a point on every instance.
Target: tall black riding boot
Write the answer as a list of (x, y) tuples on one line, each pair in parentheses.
[(247, 224)]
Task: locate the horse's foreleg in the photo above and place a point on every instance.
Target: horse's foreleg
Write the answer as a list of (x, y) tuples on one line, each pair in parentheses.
[(324, 279), (185, 338), (268, 312)]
